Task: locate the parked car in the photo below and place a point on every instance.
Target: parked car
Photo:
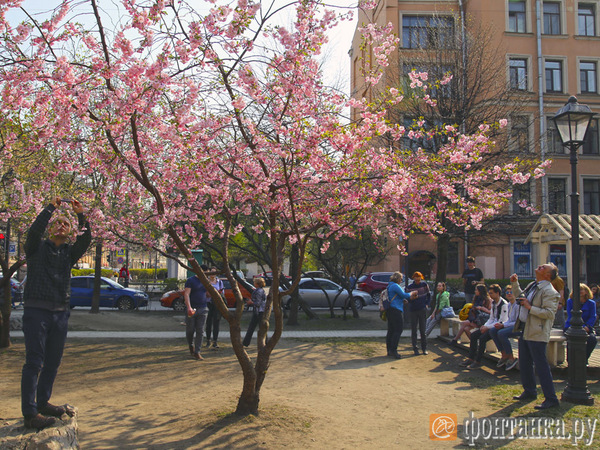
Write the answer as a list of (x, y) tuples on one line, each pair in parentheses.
[(112, 294), (16, 292), (311, 290), (174, 299), (374, 283), (268, 277)]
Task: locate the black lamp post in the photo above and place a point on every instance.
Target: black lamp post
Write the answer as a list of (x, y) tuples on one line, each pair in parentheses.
[(572, 122)]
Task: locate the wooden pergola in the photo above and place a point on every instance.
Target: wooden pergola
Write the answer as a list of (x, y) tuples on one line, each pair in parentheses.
[(556, 229)]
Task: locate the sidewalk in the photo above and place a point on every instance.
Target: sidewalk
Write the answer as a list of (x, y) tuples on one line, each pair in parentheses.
[(223, 334)]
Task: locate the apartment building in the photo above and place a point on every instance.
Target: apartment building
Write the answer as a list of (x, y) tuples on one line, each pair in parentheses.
[(546, 51)]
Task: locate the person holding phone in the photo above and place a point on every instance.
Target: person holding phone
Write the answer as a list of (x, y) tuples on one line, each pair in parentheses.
[(47, 307)]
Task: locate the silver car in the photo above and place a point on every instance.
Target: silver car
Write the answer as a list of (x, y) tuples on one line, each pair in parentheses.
[(315, 291)]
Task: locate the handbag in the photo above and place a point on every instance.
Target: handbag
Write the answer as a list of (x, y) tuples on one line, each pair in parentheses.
[(448, 312), (383, 315), (482, 318)]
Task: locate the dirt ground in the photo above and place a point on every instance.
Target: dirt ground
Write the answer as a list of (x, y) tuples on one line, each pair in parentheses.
[(321, 393)]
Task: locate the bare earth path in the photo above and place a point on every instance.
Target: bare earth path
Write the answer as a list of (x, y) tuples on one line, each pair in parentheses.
[(333, 394)]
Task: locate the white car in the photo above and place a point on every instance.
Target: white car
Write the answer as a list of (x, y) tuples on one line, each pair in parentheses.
[(315, 292)]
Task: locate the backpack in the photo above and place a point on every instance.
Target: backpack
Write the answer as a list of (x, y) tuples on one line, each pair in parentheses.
[(384, 300), (464, 312)]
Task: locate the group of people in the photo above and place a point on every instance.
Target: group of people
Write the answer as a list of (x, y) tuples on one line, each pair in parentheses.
[(202, 311), (497, 314), (528, 314)]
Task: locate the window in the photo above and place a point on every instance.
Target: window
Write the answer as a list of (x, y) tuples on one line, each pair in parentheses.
[(551, 18), (591, 143), (518, 74), (452, 261), (519, 134), (553, 142), (591, 196), (553, 71), (588, 77), (432, 141), (516, 16), (79, 283), (521, 199), (586, 20), (426, 31), (522, 259), (558, 256), (557, 195)]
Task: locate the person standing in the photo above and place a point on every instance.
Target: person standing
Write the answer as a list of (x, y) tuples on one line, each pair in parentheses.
[(213, 320), (124, 276), (588, 315), (395, 314), (46, 308), (536, 315), (418, 311), (472, 276), (259, 300), (194, 295)]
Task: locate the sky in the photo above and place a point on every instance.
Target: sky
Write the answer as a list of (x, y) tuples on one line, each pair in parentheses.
[(336, 62)]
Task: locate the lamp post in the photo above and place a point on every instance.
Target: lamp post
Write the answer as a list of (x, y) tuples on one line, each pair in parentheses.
[(572, 122)]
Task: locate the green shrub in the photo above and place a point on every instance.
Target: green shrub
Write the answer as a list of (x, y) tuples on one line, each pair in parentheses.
[(147, 274), (108, 273), (173, 284)]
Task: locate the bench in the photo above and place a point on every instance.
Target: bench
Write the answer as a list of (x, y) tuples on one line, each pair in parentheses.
[(455, 322), (555, 351)]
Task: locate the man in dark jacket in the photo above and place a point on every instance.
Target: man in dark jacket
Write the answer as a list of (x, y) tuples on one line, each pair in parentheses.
[(46, 309)]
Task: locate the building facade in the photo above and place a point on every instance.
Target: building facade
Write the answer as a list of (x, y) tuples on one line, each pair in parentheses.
[(545, 51)]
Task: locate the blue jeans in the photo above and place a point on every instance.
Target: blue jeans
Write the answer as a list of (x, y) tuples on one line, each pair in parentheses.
[(45, 333), (501, 338), (534, 353)]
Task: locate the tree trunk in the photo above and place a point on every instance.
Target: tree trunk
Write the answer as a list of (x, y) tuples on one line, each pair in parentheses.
[(294, 263), (442, 261), (97, 275), (5, 317)]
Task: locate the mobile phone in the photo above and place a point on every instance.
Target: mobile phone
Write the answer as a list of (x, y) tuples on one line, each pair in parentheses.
[(66, 200)]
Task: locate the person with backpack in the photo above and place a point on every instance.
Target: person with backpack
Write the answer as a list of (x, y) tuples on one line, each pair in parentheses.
[(394, 307)]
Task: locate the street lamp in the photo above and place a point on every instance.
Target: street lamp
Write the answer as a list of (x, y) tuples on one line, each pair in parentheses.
[(572, 122)]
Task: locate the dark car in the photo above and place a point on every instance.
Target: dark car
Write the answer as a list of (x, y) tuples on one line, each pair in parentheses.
[(16, 292), (374, 283), (112, 294)]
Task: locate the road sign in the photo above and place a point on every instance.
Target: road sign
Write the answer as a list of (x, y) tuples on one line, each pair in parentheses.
[(120, 252), (120, 260), (12, 249)]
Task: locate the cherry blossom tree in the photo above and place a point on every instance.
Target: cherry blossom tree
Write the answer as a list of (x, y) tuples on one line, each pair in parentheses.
[(197, 117)]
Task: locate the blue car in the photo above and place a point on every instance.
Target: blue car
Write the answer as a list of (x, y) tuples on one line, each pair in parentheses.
[(112, 294)]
